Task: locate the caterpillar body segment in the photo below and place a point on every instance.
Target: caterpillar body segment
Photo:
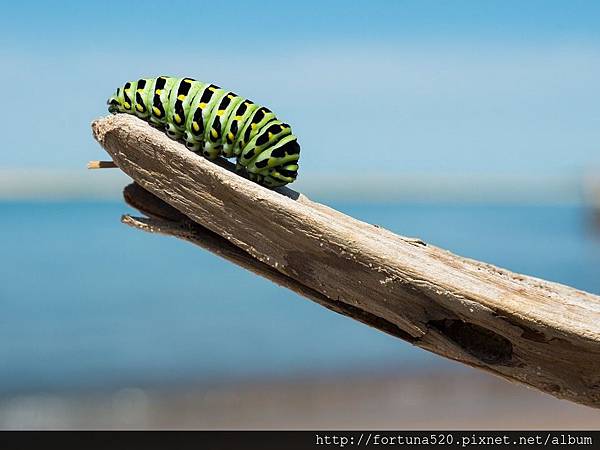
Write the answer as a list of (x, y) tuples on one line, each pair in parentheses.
[(233, 129), (214, 122)]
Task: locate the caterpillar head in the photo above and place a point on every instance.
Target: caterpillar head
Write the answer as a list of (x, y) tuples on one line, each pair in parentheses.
[(278, 165), (280, 176), (114, 105)]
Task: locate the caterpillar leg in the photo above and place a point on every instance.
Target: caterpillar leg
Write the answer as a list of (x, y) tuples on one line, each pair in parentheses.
[(173, 132), (211, 151), (191, 143)]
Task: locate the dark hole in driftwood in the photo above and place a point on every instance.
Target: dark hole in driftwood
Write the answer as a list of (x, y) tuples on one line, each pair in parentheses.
[(483, 344)]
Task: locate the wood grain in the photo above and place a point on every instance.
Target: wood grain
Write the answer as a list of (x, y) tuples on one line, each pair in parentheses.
[(524, 329)]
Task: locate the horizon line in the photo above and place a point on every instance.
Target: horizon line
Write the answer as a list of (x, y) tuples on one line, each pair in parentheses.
[(73, 184)]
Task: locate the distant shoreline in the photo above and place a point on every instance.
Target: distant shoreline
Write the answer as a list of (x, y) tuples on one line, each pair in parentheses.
[(49, 184), (451, 399)]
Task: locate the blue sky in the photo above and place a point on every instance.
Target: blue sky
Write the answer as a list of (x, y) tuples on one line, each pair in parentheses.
[(376, 88), (238, 21)]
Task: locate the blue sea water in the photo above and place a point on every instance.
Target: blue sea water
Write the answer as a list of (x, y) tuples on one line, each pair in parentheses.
[(86, 302)]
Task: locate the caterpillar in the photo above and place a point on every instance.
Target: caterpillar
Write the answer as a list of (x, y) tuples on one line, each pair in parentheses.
[(214, 122)]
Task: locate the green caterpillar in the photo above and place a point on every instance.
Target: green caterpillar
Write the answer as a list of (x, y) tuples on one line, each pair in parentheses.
[(214, 122)]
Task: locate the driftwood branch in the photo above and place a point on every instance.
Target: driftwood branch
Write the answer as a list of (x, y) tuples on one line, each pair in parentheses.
[(524, 329)]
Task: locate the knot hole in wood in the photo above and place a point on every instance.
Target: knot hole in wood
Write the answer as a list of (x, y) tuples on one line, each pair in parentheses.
[(485, 345)]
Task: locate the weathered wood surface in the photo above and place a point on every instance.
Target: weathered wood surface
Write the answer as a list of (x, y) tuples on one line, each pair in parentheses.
[(524, 329)]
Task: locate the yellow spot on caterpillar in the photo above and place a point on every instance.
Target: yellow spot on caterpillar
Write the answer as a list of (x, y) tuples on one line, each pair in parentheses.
[(139, 107), (230, 136), (220, 112), (141, 91), (214, 133), (156, 111), (253, 125), (238, 117), (212, 89), (158, 91), (177, 118), (195, 126), (202, 105), (188, 81), (271, 135), (230, 96), (181, 97), (126, 105)]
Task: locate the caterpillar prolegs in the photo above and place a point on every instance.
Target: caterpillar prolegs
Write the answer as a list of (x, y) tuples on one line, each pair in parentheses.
[(214, 122)]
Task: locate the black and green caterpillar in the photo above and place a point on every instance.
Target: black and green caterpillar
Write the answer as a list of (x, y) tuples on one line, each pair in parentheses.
[(215, 122)]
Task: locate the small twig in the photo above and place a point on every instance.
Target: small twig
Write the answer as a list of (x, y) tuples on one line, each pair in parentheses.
[(101, 165)]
